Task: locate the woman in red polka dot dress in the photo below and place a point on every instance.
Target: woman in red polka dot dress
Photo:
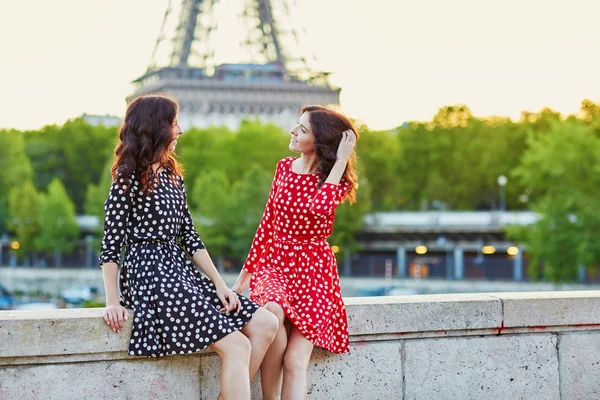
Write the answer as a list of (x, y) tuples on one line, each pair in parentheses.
[(291, 269)]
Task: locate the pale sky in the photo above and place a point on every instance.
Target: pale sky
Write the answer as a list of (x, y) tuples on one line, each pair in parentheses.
[(395, 60)]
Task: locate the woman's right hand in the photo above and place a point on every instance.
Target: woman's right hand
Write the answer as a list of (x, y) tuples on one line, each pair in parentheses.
[(242, 282), (115, 316), (346, 146)]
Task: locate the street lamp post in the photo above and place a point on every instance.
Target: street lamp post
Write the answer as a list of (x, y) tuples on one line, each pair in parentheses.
[(3, 240), (502, 180), (89, 259)]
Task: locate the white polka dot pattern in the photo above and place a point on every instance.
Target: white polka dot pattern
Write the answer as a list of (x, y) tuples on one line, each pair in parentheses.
[(291, 262), (176, 310)]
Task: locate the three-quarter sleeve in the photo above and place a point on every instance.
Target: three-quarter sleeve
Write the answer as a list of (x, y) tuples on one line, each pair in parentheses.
[(265, 228), (188, 236), (328, 197), (116, 215)]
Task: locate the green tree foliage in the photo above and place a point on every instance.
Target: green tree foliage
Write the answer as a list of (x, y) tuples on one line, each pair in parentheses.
[(456, 159), (75, 153), (250, 193), (231, 152), (350, 218), (590, 113), (58, 227), (94, 201), (86, 149), (562, 165), (96, 193), (257, 143), (24, 203), (377, 153), (451, 162), (15, 169), (227, 214), (202, 150), (212, 203)]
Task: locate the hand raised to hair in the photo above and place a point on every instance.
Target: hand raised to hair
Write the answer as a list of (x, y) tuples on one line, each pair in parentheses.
[(346, 146)]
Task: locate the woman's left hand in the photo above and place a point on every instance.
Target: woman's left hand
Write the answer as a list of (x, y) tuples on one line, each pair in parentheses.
[(346, 146), (229, 299)]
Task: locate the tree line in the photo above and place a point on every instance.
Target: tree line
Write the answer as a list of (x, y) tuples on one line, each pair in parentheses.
[(451, 162)]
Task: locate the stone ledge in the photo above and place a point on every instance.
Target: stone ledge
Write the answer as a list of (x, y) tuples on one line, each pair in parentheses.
[(423, 313), (74, 335), (546, 309)]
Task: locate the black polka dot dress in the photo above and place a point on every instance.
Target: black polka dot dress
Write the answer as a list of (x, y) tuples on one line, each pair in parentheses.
[(176, 309)]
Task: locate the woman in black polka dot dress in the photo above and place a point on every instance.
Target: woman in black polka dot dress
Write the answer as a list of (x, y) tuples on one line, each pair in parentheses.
[(176, 309)]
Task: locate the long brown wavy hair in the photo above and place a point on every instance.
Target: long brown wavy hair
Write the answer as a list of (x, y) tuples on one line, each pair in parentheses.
[(144, 139), (327, 127)]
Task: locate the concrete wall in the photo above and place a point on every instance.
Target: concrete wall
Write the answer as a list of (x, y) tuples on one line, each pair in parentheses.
[(479, 346)]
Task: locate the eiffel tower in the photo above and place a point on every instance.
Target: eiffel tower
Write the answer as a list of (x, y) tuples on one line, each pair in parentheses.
[(269, 84)]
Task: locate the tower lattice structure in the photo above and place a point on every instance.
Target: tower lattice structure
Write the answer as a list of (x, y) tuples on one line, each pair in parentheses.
[(269, 80)]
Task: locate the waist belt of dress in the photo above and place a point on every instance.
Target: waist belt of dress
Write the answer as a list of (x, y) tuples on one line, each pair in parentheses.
[(298, 239), (149, 240)]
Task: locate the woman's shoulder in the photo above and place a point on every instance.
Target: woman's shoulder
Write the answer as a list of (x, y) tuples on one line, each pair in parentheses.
[(178, 179), (286, 160), (283, 166), (127, 181), (284, 163), (124, 177)]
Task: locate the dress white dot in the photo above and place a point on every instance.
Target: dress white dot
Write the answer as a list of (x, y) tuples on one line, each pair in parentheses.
[(291, 262), (176, 309)]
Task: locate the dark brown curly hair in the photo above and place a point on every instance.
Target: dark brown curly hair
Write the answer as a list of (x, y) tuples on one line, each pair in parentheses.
[(327, 127), (144, 139)]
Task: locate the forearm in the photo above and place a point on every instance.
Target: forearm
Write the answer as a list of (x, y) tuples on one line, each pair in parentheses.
[(110, 272), (202, 259), (337, 172), (244, 276)]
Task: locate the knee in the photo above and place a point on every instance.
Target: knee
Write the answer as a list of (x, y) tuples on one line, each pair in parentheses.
[(270, 325), (264, 326), (294, 361), (237, 346), (277, 311), (242, 345)]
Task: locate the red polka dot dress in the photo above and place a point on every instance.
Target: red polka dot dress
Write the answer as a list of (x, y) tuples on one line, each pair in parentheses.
[(291, 262)]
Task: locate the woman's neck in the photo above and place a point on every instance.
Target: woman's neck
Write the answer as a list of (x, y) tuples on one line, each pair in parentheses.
[(308, 163)]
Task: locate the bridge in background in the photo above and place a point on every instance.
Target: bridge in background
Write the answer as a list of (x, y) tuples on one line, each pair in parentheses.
[(449, 245), (442, 244)]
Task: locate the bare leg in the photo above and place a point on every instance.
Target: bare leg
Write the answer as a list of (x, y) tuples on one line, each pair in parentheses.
[(271, 370), (295, 366), (234, 351), (261, 331)]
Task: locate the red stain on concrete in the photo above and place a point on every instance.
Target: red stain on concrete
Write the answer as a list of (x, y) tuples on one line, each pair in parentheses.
[(157, 386)]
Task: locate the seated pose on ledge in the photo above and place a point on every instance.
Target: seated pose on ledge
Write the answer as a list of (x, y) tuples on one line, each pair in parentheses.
[(177, 310), (291, 268)]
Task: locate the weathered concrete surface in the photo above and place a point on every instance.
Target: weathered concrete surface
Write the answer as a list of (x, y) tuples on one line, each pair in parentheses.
[(334, 376), (437, 312), (488, 346), (371, 370), (493, 367), (579, 355), (58, 332), (551, 308), (125, 379)]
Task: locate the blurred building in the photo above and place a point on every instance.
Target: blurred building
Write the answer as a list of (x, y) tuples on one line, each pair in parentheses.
[(105, 120), (442, 244)]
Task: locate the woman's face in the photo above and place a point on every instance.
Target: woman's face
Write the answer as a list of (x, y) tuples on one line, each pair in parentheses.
[(175, 132), (303, 140)]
